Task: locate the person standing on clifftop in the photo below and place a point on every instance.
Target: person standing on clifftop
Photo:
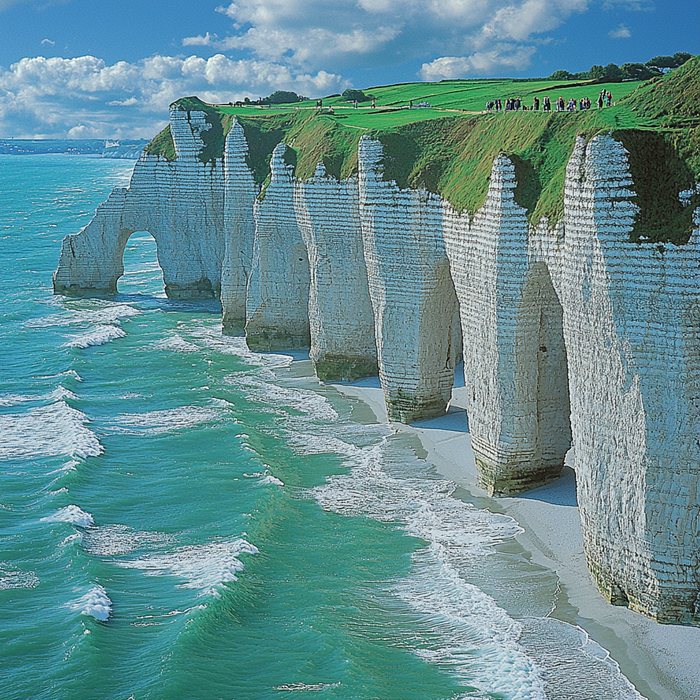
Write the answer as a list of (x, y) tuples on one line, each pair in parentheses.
[(374, 102), (600, 100), (536, 104), (546, 104)]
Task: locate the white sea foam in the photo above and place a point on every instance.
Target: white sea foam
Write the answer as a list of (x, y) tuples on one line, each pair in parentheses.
[(477, 638), (15, 399), (205, 567), (165, 421), (175, 343), (11, 577), (211, 337), (106, 313), (97, 335), (115, 540), (57, 429), (269, 479), (306, 687), (70, 466), (71, 514), (95, 603), (308, 402), (68, 373), (466, 631), (59, 392), (573, 666)]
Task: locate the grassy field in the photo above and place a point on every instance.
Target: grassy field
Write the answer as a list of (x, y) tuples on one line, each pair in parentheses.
[(449, 147), (446, 97)]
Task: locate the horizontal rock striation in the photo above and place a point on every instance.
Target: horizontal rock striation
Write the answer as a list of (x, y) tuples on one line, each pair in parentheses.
[(633, 333), (180, 203), (413, 297), (277, 303), (573, 333), (340, 311), (515, 367), (240, 191)]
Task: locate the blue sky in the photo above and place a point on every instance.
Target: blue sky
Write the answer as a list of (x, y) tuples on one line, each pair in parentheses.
[(85, 68)]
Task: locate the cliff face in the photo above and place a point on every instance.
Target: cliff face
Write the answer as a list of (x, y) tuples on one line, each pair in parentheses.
[(632, 335), (574, 332), (514, 353), (180, 203)]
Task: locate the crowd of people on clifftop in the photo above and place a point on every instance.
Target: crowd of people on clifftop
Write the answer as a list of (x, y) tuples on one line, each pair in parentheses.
[(560, 104)]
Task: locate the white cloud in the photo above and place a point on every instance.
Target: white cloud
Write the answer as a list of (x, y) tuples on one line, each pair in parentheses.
[(620, 33), (48, 41), (481, 62), (84, 95), (464, 36), (300, 45), (632, 5), (123, 103), (206, 40)]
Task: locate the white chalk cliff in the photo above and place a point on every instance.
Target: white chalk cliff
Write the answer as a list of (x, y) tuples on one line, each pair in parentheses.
[(571, 335)]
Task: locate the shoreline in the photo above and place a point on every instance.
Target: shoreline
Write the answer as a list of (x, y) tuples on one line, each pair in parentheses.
[(661, 661)]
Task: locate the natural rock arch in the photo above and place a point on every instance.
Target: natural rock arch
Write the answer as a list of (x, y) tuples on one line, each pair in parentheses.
[(141, 265)]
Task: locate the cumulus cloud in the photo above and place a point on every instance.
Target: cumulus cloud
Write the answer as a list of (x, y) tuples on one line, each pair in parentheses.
[(300, 45), (206, 40), (463, 37), (84, 95), (482, 62), (620, 33)]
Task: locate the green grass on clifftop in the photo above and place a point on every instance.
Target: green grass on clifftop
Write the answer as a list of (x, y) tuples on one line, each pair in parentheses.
[(449, 147)]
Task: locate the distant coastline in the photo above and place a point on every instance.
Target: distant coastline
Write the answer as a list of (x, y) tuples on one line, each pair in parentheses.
[(128, 149)]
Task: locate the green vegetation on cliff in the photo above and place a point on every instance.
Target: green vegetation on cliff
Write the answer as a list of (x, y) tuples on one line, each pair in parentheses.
[(162, 145), (449, 147)]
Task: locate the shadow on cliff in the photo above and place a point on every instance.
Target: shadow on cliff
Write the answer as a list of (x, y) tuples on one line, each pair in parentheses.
[(561, 492)]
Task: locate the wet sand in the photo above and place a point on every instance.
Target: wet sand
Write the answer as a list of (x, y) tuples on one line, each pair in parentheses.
[(662, 661)]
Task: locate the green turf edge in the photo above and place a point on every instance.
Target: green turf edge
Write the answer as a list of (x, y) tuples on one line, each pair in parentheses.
[(162, 145), (453, 155)]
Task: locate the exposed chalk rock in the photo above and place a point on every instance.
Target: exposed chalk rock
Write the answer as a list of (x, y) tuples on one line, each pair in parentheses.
[(413, 297), (572, 333), (340, 311), (632, 329), (240, 190), (514, 356), (180, 203), (91, 261), (277, 316)]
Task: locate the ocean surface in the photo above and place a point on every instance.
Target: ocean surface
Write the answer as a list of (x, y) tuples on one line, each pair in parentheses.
[(183, 519)]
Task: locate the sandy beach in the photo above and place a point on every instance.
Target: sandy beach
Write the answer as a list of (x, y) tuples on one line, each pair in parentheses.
[(662, 661)]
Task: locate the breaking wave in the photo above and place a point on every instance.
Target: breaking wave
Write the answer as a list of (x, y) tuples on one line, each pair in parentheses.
[(205, 567), (165, 421), (95, 603), (98, 335), (73, 515), (47, 431)]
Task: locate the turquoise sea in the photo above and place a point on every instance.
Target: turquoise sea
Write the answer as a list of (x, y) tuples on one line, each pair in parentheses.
[(183, 519)]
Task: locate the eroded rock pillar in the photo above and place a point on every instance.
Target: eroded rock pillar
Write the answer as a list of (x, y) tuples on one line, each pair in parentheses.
[(412, 294), (277, 316), (514, 358), (631, 322), (91, 261), (240, 190), (340, 311), (181, 203)]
